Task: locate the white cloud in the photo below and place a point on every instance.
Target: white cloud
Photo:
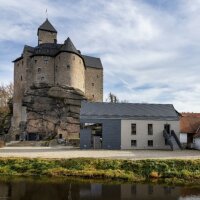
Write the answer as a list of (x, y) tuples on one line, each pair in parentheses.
[(140, 44)]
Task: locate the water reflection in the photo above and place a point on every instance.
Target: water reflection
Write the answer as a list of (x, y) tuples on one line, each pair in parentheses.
[(37, 189)]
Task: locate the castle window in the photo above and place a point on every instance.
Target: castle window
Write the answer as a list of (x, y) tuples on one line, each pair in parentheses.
[(68, 66), (42, 78), (17, 64), (46, 61), (21, 78), (35, 61), (39, 70), (92, 84), (73, 57), (80, 61), (22, 62), (93, 96), (97, 76)]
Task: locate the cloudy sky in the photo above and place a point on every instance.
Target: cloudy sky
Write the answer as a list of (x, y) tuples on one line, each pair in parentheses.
[(150, 49)]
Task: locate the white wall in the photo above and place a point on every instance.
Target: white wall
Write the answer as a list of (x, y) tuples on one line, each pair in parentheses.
[(142, 136), (197, 143), (183, 137)]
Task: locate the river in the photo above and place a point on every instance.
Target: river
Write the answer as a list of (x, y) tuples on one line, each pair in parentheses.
[(69, 189)]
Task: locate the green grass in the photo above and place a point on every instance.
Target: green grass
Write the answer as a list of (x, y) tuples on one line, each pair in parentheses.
[(169, 171)]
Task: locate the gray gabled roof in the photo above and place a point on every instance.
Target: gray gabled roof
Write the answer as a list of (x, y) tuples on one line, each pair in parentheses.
[(47, 26), (99, 110), (92, 62)]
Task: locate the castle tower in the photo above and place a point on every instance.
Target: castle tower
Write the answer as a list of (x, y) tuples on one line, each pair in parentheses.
[(70, 67), (47, 33)]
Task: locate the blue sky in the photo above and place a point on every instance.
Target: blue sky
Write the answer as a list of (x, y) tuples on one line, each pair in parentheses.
[(150, 49)]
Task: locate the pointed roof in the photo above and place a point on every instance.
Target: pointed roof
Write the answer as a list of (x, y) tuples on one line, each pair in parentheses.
[(47, 26), (69, 46)]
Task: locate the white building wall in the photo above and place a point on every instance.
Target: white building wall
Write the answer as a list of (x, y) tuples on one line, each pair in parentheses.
[(197, 143), (142, 136)]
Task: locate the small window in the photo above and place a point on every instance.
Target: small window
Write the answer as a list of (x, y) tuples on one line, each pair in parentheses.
[(150, 129), (21, 78), (133, 143), (93, 96), (150, 143), (73, 57), (92, 84), (22, 62), (68, 66), (46, 62), (97, 76), (133, 129), (42, 78), (39, 70), (80, 61), (35, 61), (60, 136)]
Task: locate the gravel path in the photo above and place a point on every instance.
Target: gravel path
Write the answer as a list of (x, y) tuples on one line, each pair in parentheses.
[(48, 152)]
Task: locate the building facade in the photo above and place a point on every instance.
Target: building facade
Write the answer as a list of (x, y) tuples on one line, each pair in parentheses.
[(126, 125), (53, 64)]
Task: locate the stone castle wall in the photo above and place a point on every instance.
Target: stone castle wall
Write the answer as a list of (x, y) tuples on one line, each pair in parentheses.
[(94, 84), (46, 37), (70, 70)]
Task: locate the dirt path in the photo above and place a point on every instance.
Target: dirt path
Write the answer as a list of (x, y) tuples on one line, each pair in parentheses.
[(47, 152)]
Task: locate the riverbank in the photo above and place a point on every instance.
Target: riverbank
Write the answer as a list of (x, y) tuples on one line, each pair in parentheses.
[(168, 171)]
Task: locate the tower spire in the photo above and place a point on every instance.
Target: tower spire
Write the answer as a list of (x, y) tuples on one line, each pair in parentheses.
[(46, 13)]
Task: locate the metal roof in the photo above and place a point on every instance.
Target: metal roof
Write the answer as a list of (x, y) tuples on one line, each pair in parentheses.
[(92, 62), (47, 26), (90, 110)]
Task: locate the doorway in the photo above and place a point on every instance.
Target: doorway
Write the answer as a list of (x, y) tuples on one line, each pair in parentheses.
[(167, 128)]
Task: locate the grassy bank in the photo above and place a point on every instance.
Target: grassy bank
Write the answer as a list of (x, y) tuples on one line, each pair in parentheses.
[(169, 171)]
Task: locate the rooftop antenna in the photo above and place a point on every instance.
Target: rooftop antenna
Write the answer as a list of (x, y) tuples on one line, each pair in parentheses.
[(46, 14)]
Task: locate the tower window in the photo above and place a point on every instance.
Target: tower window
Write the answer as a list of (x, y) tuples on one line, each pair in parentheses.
[(35, 61), (92, 84), (73, 57), (97, 76), (42, 78), (68, 66), (39, 70), (22, 62), (46, 61), (21, 78)]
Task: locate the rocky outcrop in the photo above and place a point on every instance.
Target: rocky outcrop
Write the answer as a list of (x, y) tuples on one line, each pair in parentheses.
[(53, 111)]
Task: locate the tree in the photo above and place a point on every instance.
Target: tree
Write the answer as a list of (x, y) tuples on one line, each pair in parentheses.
[(6, 93), (112, 98)]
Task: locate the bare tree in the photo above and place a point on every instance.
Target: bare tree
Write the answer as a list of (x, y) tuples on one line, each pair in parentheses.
[(6, 93), (112, 98)]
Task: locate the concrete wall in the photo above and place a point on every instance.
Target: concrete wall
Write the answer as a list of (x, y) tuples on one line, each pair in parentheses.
[(70, 70), (110, 132), (94, 84), (197, 143), (142, 136), (46, 37)]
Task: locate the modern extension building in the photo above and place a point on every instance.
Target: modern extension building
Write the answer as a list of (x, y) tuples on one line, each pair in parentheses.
[(127, 125)]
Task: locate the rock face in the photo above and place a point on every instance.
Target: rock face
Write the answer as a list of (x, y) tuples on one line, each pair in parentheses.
[(52, 111)]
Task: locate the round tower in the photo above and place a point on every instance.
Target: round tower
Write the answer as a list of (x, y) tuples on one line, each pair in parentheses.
[(70, 67)]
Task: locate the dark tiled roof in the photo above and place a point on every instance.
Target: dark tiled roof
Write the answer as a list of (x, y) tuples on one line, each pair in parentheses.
[(92, 62), (69, 46), (47, 49), (47, 26), (128, 111)]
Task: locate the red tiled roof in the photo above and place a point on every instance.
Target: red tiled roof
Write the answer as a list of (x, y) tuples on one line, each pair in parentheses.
[(189, 122)]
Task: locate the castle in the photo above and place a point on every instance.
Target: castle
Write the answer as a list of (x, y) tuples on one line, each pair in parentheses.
[(50, 64)]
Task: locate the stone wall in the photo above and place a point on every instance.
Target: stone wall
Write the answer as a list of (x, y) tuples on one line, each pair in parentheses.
[(94, 84), (46, 37), (70, 70), (53, 111)]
